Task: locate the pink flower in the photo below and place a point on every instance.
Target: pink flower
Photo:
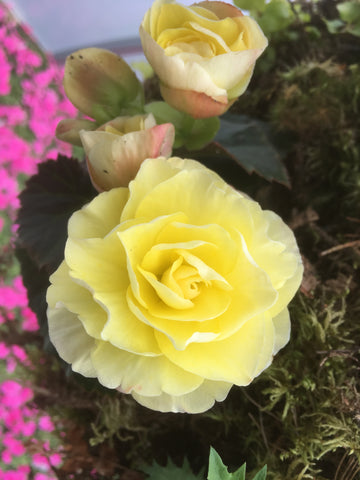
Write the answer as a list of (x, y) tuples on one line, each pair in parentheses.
[(46, 424), (4, 350), (14, 394), (30, 323), (40, 461), (14, 446)]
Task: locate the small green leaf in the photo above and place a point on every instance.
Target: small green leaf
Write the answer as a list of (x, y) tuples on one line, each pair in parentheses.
[(276, 16), (248, 141), (50, 197), (191, 133)]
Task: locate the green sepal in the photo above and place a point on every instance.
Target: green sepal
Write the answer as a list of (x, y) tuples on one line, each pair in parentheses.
[(191, 133)]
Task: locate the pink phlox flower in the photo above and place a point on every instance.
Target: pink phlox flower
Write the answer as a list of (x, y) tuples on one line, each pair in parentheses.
[(30, 321), (46, 424), (6, 457), (8, 191), (14, 44), (5, 74), (15, 475), (11, 365), (19, 353), (13, 445), (4, 351), (26, 61), (55, 459), (15, 153), (13, 296), (14, 394), (28, 428), (40, 461), (13, 114), (43, 476)]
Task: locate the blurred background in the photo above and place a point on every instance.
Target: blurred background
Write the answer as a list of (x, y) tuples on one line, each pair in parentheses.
[(62, 26)]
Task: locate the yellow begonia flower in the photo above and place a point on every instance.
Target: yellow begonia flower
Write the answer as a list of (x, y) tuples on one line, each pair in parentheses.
[(173, 289), (204, 54), (115, 151)]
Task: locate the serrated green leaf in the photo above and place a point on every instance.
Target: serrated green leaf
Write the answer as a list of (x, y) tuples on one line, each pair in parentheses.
[(218, 471), (50, 197), (171, 471), (248, 141)]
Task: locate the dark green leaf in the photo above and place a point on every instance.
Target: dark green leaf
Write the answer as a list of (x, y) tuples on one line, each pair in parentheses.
[(50, 197), (36, 282), (248, 141)]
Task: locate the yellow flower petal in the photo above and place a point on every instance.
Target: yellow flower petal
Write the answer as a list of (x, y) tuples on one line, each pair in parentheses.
[(96, 220), (70, 339), (77, 300), (197, 401), (282, 329), (100, 266), (231, 360), (148, 376), (209, 49)]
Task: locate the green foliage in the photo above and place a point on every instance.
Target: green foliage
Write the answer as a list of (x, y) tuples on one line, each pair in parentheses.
[(218, 471), (273, 16), (191, 133), (116, 419), (171, 471), (349, 21), (319, 102), (47, 202), (249, 141)]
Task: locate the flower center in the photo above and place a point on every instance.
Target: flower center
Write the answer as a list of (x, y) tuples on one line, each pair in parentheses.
[(183, 279)]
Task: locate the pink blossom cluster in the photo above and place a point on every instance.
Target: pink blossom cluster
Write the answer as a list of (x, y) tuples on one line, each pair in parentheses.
[(19, 424), (32, 102)]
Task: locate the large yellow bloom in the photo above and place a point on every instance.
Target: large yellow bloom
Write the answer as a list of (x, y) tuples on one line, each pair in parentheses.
[(173, 289), (204, 54)]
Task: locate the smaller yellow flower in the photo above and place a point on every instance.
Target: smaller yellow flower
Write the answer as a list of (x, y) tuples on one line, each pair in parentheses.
[(115, 151), (204, 54)]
